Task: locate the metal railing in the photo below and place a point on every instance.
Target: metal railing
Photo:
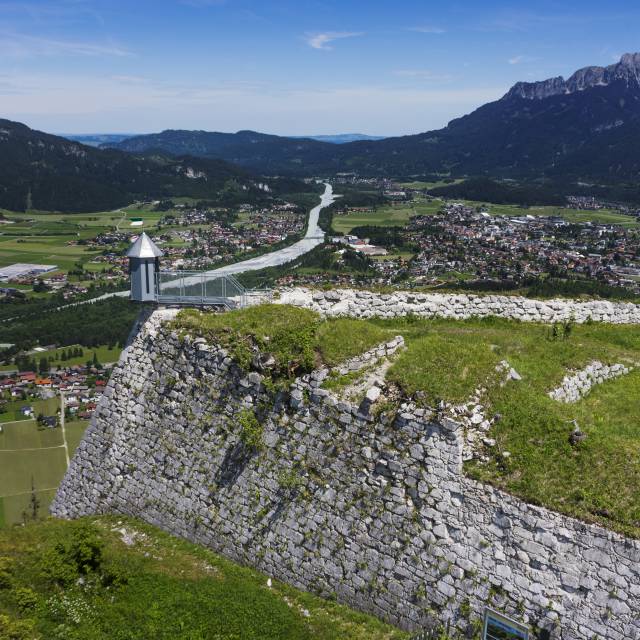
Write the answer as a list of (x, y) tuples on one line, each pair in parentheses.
[(202, 288)]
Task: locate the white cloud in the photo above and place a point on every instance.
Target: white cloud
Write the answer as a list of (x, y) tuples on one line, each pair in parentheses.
[(427, 29), (17, 45), (423, 74), (323, 40), (521, 59)]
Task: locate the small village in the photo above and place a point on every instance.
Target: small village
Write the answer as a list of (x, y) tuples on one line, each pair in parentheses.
[(484, 246), (28, 395), (204, 238), (466, 242)]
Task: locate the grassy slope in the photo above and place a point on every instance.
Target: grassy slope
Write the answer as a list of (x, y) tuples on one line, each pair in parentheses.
[(165, 588), (598, 480)]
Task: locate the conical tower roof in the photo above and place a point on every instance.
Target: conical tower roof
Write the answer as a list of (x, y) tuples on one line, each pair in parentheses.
[(144, 247)]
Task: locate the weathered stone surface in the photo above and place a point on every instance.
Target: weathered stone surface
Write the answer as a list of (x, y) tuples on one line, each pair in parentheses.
[(337, 502)]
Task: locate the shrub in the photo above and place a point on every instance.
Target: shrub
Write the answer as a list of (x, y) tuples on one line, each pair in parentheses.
[(79, 555), (252, 431), (25, 598), (15, 629), (5, 572)]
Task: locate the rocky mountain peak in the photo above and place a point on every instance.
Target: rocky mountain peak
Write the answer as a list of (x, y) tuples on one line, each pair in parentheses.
[(631, 60), (627, 71)]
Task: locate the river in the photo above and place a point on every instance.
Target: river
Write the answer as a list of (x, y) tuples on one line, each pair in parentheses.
[(313, 237)]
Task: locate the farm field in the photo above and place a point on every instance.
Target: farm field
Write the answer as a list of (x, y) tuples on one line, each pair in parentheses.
[(32, 457), (11, 411), (387, 216), (419, 184), (398, 215), (43, 238), (104, 354)]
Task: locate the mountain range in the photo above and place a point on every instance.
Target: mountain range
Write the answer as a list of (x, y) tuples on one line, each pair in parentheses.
[(42, 171), (584, 129)]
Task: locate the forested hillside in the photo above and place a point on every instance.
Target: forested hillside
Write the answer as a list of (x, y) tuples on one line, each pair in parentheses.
[(46, 172)]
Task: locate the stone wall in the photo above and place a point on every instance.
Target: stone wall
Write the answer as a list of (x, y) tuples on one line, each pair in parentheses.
[(578, 384), (365, 304), (373, 510)]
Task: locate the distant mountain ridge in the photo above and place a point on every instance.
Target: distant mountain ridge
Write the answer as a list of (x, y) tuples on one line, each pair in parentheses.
[(251, 149), (342, 138), (584, 129)]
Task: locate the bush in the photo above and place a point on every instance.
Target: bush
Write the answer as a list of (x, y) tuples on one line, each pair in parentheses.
[(79, 555), (15, 629), (25, 598), (5, 572), (252, 430)]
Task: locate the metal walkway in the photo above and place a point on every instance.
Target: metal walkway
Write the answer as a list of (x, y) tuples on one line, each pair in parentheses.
[(208, 289)]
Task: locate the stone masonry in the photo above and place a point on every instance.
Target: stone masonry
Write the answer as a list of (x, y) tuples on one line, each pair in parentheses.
[(374, 509), (366, 304), (578, 384)]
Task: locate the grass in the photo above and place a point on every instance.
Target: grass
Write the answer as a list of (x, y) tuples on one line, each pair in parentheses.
[(419, 184), (52, 250), (32, 457), (343, 338), (597, 480), (11, 411), (43, 237), (158, 587), (398, 215), (387, 216), (297, 338)]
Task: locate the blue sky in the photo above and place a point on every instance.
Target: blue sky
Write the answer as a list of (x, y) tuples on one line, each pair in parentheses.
[(287, 66)]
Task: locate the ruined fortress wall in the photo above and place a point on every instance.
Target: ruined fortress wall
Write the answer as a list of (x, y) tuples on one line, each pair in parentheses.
[(366, 304), (374, 511)]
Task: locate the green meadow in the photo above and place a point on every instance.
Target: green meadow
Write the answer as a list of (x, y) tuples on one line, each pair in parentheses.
[(79, 580), (32, 462), (387, 216), (104, 354)]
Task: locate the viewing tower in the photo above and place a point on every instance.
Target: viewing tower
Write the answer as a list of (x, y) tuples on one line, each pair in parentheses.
[(144, 266)]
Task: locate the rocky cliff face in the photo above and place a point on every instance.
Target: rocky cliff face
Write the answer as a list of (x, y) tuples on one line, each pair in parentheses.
[(627, 72)]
